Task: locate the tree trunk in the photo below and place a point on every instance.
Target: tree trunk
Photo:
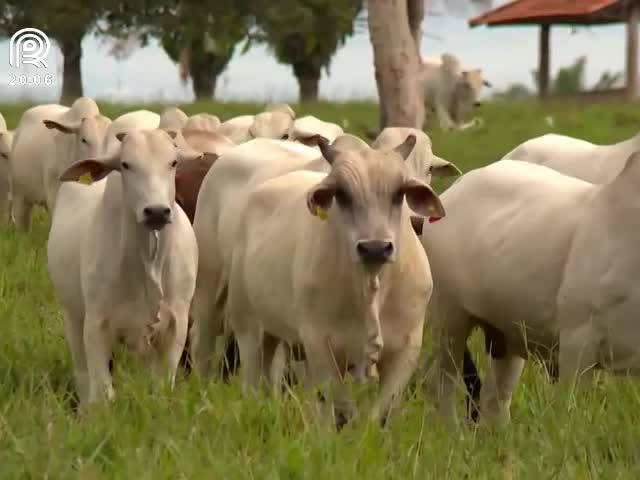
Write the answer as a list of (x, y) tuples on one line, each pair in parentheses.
[(415, 10), (396, 64), (308, 77), (544, 62), (71, 47), (204, 80)]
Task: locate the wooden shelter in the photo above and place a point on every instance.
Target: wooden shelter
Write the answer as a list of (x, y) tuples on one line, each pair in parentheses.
[(546, 13)]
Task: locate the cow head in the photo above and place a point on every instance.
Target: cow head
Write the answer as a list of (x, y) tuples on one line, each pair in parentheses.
[(147, 161), (422, 163), (275, 123), (364, 194), (82, 138)]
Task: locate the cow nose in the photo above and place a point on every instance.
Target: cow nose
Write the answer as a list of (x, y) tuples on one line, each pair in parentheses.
[(156, 216), (375, 250)]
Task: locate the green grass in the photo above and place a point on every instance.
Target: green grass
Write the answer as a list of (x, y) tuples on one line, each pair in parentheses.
[(207, 430)]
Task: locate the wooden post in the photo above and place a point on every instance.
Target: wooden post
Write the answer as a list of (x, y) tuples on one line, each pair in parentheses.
[(632, 50), (543, 65)]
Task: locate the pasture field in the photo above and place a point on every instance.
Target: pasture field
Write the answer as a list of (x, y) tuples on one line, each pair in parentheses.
[(206, 430)]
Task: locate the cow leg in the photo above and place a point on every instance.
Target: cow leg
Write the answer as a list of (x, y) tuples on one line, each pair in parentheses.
[(22, 213), (444, 118), (5, 205), (451, 328), (74, 335), (207, 326), (395, 370), (250, 345), (336, 406), (495, 397), (578, 355), (98, 349), (174, 342)]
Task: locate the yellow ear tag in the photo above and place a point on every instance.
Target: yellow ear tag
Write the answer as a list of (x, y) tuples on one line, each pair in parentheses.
[(321, 213), (85, 178)]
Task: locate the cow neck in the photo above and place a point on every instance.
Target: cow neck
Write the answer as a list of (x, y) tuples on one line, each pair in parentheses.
[(146, 246), (366, 287), (369, 291)]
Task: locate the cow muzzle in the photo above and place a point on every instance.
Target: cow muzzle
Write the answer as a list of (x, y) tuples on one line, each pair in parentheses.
[(156, 217), (375, 251)]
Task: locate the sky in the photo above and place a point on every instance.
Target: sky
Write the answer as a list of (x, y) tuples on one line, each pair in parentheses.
[(506, 54)]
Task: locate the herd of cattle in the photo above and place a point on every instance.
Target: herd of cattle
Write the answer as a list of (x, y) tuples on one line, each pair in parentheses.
[(307, 246)]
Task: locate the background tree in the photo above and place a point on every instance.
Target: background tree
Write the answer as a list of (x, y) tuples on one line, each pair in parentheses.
[(306, 34), (64, 21), (199, 36)]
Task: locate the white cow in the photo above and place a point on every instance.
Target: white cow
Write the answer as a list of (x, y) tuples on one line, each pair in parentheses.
[(39, 155), (122, 258), (172, 118), (6, 140), (575, 157), (275, 122), (125, 123), (548, 260), (345, 275), (309, 126), (451, 91), (202, 121)]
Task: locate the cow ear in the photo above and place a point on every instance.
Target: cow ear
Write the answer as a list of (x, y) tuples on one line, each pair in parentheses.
[(320, 197), (406, 147), (422, 199), (69, 127), (449, 170), (89, 171)]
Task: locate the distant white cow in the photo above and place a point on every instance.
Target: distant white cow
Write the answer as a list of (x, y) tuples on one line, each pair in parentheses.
[(451, 91), (202, 121), (122, 258), (39, 155), (172, 118), (345, 275), (309, 126), (422, 163), (125, 123), (6, 140), (275, 122), (575, 157), (548, 260)]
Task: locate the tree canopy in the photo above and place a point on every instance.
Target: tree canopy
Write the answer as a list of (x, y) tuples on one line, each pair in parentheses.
[(306, 33)]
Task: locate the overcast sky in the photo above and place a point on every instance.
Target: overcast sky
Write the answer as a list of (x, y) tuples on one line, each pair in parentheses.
[(506, 54)]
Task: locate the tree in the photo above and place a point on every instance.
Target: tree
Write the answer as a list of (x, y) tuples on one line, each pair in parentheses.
[(199, 36), (306, 34), (66, 22)]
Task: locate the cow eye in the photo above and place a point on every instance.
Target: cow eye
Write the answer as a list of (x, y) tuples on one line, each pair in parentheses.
[(84, 140), (174, 164), (343, 198), (285, 136), (125, 165)]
